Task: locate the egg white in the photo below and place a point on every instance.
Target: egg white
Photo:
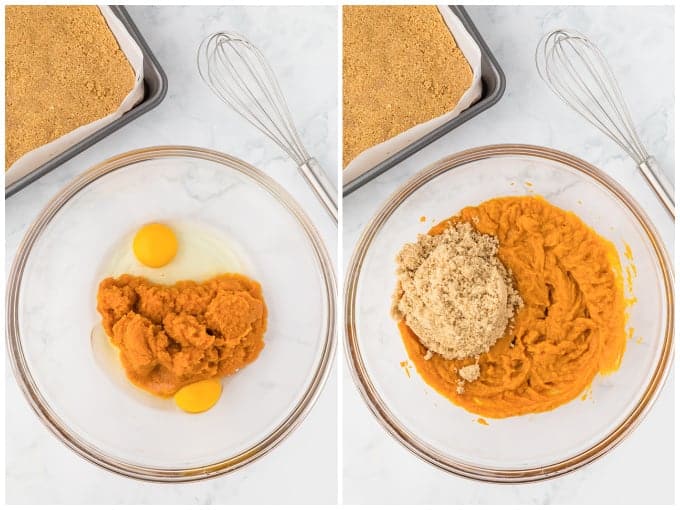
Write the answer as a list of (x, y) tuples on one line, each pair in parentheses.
[(201, 254)]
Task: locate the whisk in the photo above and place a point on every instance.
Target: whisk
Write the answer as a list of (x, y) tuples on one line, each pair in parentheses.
[(577, 71), (239, 75)]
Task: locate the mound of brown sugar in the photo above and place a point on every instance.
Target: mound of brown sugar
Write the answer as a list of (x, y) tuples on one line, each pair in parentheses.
[(171, 336), (63, 70), (454, 293), (400, 67)]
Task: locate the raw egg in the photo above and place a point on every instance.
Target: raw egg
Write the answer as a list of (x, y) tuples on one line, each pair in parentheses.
[(155, 245), (166, 253), (199, 396), (200, 252)]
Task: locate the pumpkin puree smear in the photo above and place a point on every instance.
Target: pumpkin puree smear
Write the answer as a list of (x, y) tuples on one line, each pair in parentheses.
[(568, 326)]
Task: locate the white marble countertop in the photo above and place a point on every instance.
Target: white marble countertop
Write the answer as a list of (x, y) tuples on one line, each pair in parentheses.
[(639, 45), (301, 45)]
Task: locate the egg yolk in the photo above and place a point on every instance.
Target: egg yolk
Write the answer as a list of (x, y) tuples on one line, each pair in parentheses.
[(155, 245), (199, 396)]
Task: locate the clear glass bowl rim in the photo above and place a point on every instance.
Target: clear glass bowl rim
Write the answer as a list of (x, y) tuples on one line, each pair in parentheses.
[(373, 399), (89, 451)]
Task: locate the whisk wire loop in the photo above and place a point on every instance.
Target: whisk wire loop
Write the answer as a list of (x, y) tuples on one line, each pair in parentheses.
[(240, 76), (244, 65), (599, 118), (578, 73)]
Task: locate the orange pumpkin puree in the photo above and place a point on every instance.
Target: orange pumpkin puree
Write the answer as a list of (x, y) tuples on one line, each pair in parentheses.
[(171, 336), (572, 324)]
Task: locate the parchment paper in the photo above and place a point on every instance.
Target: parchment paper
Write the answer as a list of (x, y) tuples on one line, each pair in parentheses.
[(32, 160), (374, 155)]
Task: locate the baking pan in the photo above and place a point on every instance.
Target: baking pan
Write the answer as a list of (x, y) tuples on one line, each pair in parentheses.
[(493, 86), (155, 87)]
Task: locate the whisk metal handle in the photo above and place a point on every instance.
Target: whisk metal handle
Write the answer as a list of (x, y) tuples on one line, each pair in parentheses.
[(321, 186), (659, 183)]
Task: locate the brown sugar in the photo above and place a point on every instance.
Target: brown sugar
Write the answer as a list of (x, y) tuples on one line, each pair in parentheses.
[(401, 67), (468, 373), (454, 292), (63, 70), (171, 336)]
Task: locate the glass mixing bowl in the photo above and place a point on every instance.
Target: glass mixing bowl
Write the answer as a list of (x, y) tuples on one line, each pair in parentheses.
[(529, 447), (51, 312)]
